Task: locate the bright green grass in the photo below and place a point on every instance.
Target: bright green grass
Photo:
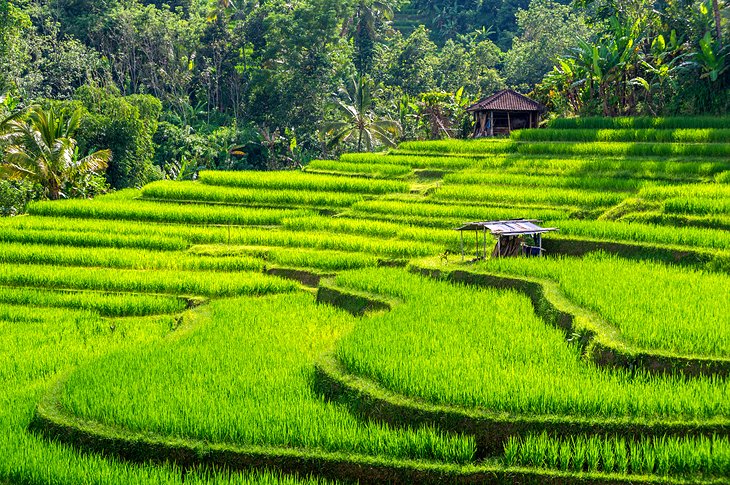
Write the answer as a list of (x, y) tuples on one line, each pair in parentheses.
[(106, 304), (516, 195), (660, 456), (641, 299), (300, 258), (245, 378), (298, 180), (681, 135), (587, 167), (500, 178), (645, 233), (481, 146), (375, 170), (120, 258), (175, 282), (454, 214), (508, 360), (194, 191), (638, 123), (379, 229), (616, 149), (661, 218), (144, 210), (35, 354), (424, 161), (87, 232), (86, 240)]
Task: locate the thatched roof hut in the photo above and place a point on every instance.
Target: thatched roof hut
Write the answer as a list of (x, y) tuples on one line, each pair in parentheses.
[(503, 112)]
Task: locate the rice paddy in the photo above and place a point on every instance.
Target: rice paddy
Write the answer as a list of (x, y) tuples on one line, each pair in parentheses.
[(155, 313)]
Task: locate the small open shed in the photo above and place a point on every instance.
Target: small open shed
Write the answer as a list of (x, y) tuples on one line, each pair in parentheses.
[(503, 112), (510, 237)]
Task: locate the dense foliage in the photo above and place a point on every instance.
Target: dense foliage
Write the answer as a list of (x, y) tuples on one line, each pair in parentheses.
[(171, 87)]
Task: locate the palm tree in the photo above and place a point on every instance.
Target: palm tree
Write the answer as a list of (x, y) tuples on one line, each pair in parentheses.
[(363, 28), (42, 149), (358, 120)]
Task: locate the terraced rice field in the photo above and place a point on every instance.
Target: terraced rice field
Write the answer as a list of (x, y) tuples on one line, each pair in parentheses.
[(323, 325)]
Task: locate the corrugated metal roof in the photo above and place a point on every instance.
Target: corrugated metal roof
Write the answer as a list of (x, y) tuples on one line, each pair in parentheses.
[(508, 228), (507, 100)]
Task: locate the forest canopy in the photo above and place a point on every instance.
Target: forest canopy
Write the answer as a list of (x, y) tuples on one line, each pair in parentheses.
[(174, 86)]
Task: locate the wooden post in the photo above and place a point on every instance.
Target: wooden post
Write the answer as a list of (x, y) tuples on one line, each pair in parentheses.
[(476, 233), (539, 243), (485, 243), (491, 123), (509, 124), (499, 246)]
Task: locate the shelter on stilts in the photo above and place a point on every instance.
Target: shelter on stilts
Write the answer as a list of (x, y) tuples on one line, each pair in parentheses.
[(503, 112), (511, 237)]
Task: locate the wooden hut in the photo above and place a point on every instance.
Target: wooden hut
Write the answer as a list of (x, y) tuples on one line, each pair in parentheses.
[(503, 112), (510, 237)]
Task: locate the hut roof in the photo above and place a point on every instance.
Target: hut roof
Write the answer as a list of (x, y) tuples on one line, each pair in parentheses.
[(508, 228), (507, 100)]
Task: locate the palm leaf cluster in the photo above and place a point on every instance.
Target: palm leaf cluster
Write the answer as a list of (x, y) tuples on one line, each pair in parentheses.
[(358, 121), (41, 148)]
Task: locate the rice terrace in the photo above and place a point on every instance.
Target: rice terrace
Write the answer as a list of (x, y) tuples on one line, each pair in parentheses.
[(323, 326)]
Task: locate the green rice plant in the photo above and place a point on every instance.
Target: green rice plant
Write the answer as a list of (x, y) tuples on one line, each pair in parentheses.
[(143, 210), (262, 396), (543, 195), (593, 454), (639, 123), (666, 456), (515, 364), (481, 146), (579, 453), (418, 160), (298, 180), (704, 191), (608, 457), (39, 314), (685, 205), (236, 235), (193, 191), (374, 170), (511, 451), (301, 258), (645, 233), (636, 458), (104, 303), (87, 240), (501, 178), (680, 135), (617, 149), (449, 215), (678, 220), (120, 258), (175, 282), (566, 456), (385, 230), (621, 455), (640, 299), (649, 168)]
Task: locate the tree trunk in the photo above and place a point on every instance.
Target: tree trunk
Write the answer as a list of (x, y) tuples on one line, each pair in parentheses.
[(716, 13)]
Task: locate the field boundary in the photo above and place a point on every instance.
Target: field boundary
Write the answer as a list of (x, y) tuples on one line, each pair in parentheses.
[(367, 399), (53, 423), (599, 340)]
